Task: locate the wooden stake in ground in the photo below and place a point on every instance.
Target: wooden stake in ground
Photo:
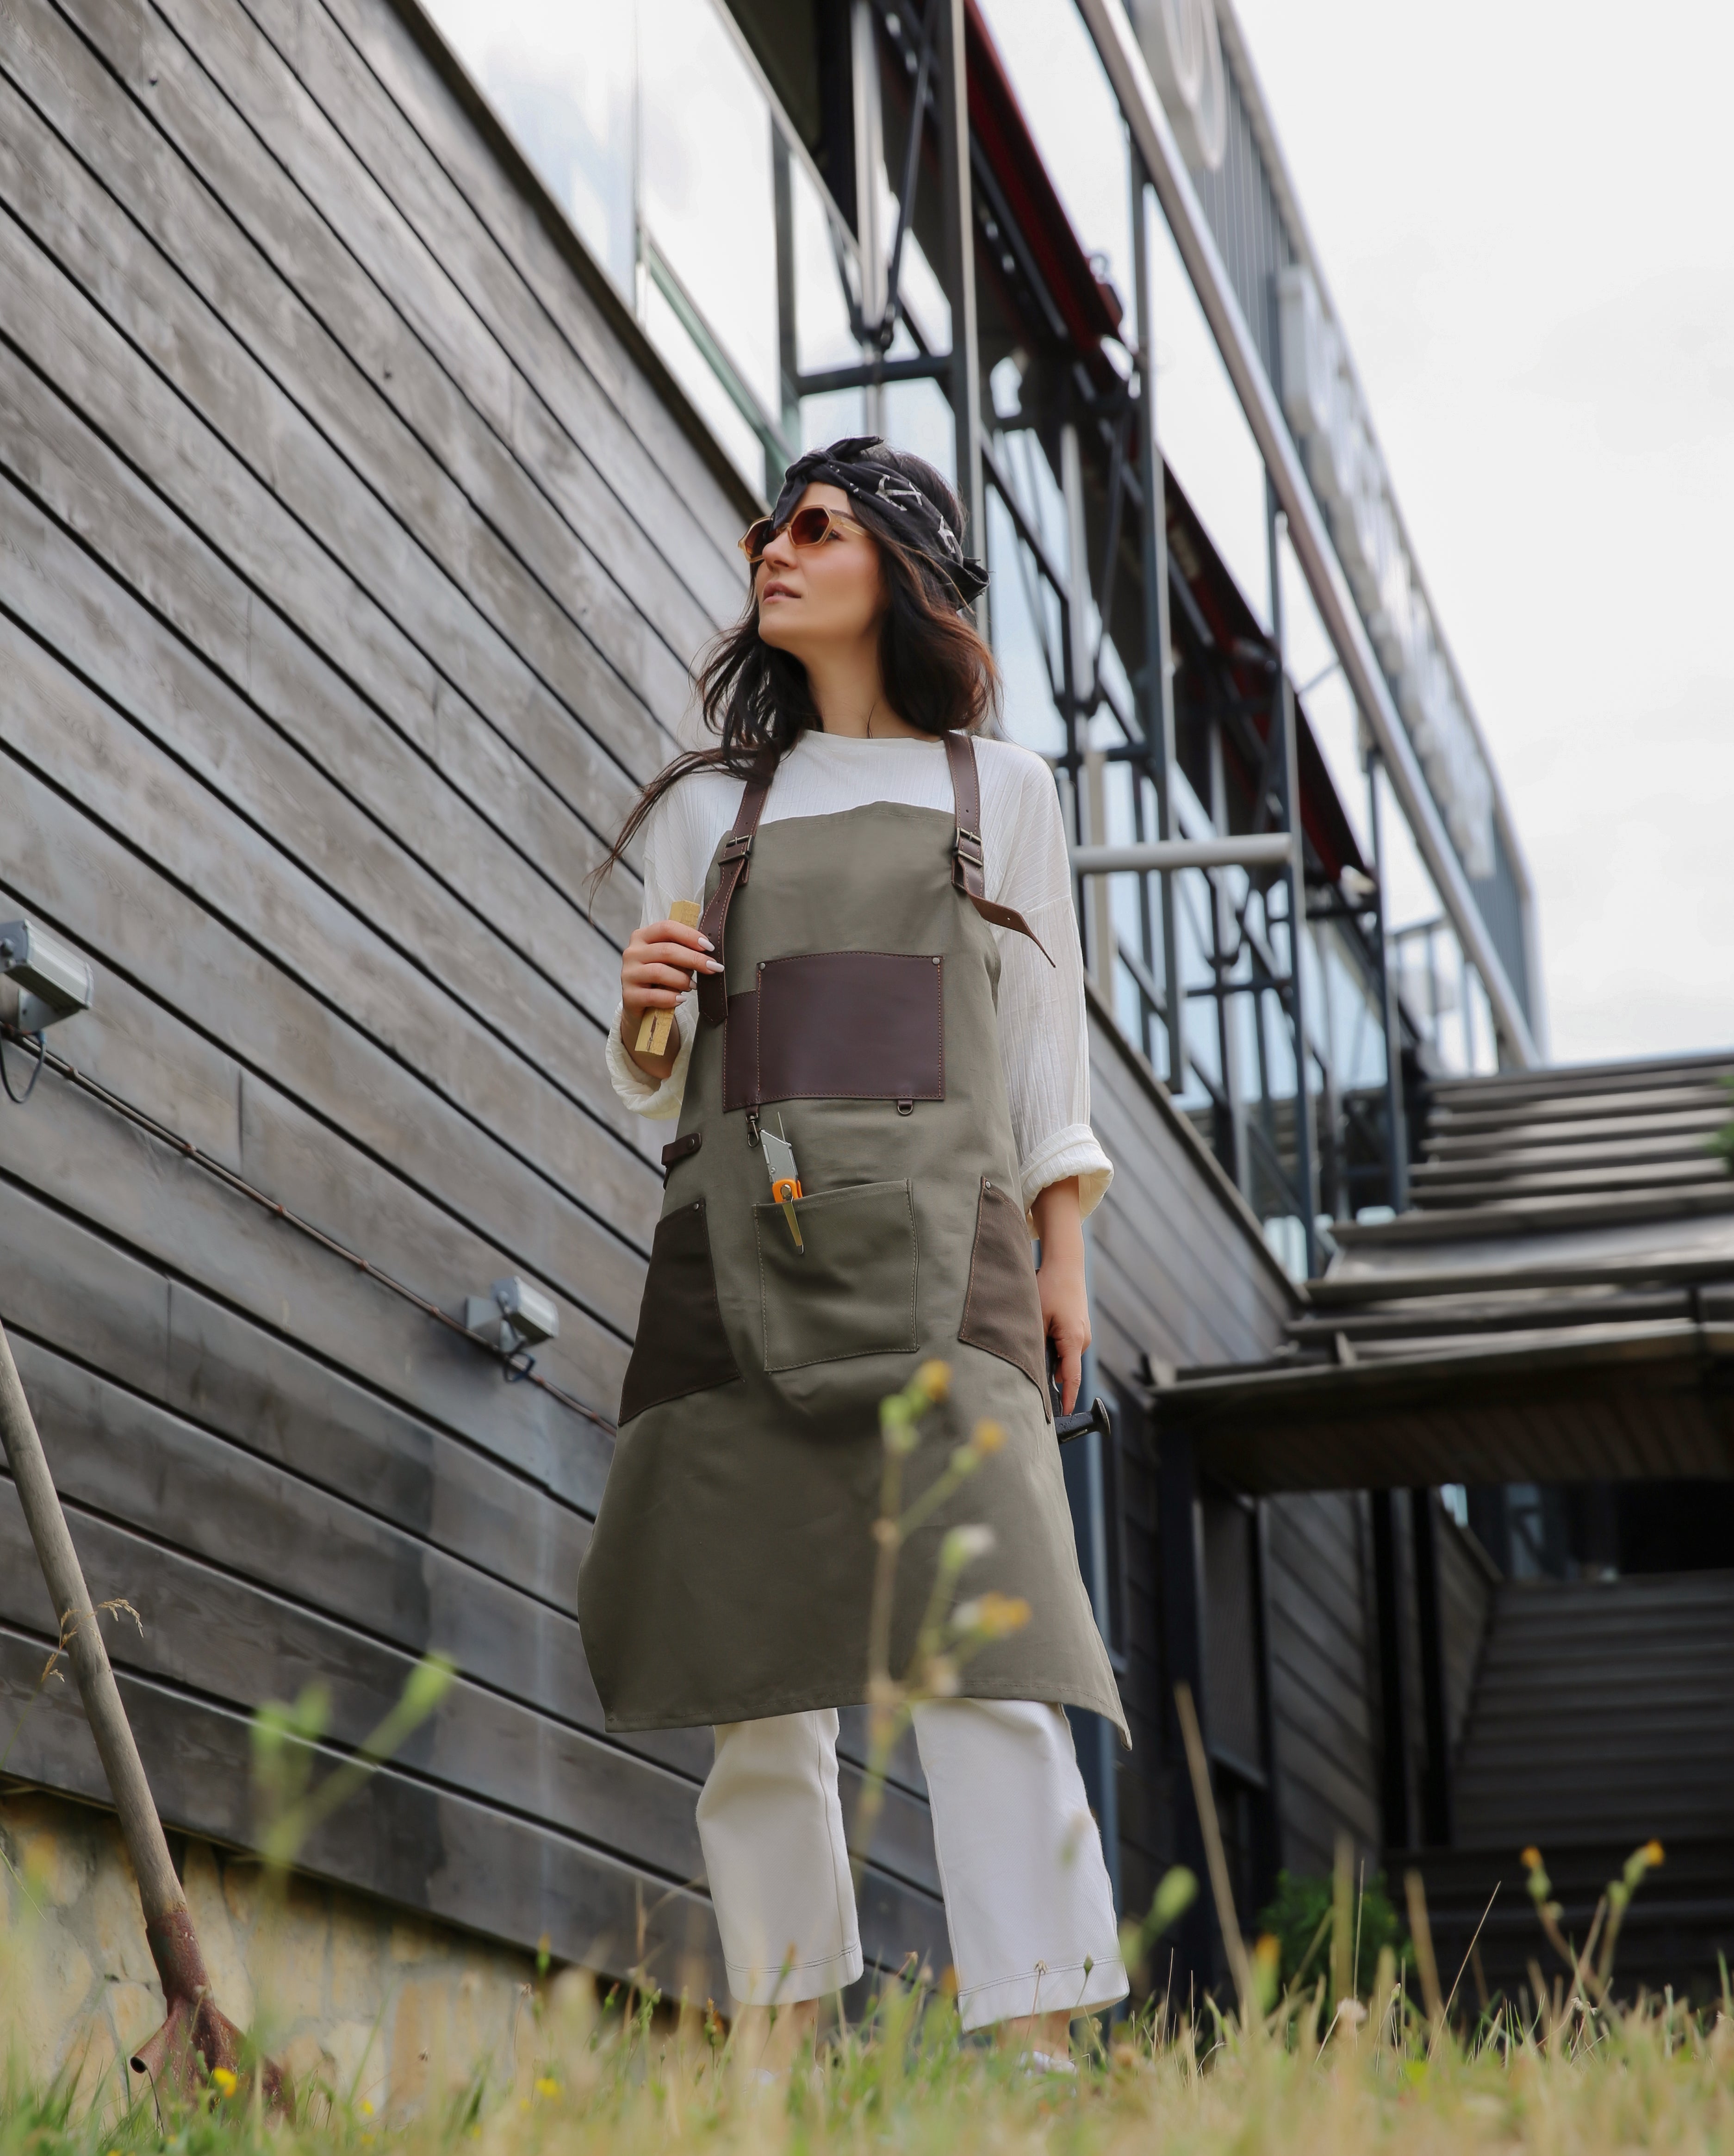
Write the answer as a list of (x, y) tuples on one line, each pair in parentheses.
[(1216, 1862), (194, 2023)]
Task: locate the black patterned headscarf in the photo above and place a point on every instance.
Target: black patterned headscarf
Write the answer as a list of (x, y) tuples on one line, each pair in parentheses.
[(868, 471)]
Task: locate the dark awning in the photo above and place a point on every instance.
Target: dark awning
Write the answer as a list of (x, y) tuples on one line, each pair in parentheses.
[(1616, 1403)]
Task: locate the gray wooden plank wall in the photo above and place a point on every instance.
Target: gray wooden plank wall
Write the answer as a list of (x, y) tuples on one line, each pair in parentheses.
[(1181, 1277), (351, 553)]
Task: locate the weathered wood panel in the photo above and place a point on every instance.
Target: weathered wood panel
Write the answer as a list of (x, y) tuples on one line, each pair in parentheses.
[(353, 548), (1468, 1584), (1322, 1673), (1181, 1276), (350, 565)]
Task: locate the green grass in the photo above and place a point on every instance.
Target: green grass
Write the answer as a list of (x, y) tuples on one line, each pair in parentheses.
[(1655, 2077)]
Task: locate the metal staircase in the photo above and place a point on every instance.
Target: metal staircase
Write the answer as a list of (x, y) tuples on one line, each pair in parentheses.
[(1602, 1715)]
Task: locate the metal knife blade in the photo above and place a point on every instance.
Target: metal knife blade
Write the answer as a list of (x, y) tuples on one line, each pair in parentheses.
[(785, 1177)]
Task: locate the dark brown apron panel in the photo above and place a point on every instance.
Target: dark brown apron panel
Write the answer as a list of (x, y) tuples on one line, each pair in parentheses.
[(838, 1025), (1002, 1308), (681, 1346)]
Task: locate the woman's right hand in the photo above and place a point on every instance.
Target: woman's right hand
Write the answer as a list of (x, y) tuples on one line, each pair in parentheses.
[(656, 970)]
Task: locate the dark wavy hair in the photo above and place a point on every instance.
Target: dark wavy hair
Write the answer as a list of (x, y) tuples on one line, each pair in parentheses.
[(937, 670)]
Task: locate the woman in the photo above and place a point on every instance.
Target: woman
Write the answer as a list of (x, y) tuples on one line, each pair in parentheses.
[(888, 985)]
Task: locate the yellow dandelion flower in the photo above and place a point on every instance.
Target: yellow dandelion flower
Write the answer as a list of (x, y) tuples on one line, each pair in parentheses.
[(367, 2109), (1653, 1852), (934, 1379), (989, 1436), (225, 2079), (1532, 1858), (997, 1616), (546, 2084)]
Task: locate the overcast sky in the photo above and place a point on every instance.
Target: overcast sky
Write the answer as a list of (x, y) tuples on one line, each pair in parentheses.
[(1523, 210)]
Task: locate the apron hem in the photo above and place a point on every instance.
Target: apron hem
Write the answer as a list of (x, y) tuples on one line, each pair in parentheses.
[(1053, 1690)]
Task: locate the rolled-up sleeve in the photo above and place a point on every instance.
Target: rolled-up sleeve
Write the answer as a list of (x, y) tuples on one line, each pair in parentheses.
[(1044, 1041)]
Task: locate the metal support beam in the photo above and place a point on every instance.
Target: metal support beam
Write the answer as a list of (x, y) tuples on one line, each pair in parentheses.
[(1100, 941), (1095, 1739), (869, 168), (789, 384), (1394, 1752), (1156, 686), (958, 211), (925, 367), (1306, 1136), (1436, 1777), (1268, 850), (1396, 1122), (1224, 940)]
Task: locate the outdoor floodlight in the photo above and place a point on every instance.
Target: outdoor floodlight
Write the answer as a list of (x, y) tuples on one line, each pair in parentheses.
[(53, 981), (512, 1315)]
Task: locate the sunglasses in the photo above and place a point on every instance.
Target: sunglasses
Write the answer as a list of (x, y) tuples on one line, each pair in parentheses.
[(807, 527)]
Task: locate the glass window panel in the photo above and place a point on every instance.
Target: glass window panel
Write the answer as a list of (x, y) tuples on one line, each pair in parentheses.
[(1328, 704), (923, 293), (826, 419), (822, 335), (1027, 711), (1203, 431), (706, 180), (1071, 112), (694, 373), (562, 79), (1128, 1005), (917, 417)]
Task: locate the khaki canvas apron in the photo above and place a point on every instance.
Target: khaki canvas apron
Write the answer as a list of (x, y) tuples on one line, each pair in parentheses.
[(729, 1573)]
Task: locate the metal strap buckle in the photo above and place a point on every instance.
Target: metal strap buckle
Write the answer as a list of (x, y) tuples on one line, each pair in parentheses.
[(736, 846), (969, 847)]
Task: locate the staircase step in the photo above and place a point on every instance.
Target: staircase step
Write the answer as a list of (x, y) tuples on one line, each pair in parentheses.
[(1681, 1918)]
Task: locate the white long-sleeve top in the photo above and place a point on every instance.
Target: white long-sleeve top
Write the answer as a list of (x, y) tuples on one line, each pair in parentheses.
[(1043, 1039)]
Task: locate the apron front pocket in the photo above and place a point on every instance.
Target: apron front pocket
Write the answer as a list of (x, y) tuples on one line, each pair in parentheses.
[(1002, 1308), (681, 1346), (852, 1290)]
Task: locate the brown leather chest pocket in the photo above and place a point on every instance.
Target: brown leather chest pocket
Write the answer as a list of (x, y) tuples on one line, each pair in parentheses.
[(838, 1025), (681, 1346), (1002, 1308)]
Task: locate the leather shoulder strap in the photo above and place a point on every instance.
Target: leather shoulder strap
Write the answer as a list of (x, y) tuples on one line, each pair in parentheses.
[(968, 859), (737, 850)]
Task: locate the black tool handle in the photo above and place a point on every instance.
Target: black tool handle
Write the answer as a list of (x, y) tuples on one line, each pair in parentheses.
[(1094, 1417)]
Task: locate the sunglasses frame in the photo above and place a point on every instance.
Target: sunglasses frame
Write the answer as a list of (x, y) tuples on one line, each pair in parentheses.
[(835, 522)]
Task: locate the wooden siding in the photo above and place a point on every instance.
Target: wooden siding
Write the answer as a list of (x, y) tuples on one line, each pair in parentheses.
[(1181, 1276), (352, 552), (352, 548)]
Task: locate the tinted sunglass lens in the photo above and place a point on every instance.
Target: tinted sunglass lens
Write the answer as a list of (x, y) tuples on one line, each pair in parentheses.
[(757, 538), (808, 526)]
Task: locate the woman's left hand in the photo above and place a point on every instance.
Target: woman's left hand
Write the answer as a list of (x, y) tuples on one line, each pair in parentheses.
[(1065, 1305)]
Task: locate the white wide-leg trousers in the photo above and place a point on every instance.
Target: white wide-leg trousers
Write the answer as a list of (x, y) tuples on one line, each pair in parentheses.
[(1027, 1901)]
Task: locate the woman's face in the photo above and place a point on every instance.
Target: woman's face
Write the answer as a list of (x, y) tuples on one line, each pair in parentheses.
[(827, 598)]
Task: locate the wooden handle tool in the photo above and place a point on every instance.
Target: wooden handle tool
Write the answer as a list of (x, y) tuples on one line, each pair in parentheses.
[(654, 1027)]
